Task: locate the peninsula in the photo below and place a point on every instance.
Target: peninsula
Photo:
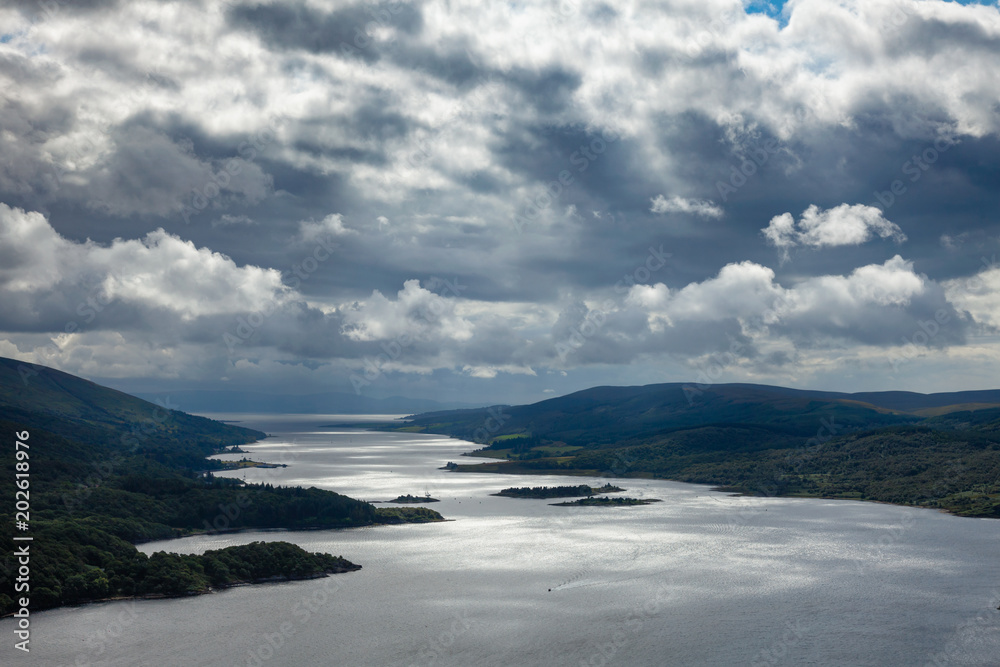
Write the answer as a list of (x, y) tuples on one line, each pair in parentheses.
[(927, 450), (109, 471)]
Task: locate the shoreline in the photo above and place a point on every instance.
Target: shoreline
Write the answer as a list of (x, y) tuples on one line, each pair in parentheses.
[(233, 531), (208, 591), (468, 468)]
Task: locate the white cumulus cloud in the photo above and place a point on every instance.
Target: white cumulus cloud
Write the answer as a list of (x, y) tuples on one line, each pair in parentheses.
[(838, 226), (44, 275), (701, 207)]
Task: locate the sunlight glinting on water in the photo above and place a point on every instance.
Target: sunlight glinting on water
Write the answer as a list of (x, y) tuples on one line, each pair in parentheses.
[(700, 578)]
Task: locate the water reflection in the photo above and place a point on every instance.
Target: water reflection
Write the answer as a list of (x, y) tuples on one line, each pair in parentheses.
[(701, 578)]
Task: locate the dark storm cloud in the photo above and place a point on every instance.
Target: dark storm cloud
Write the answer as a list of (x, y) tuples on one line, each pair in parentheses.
[(449, 60), (148, 173), (415, 135), (24, 70), (38, 9), (585, 336), (296, 26), (932, 36), (549, 90)]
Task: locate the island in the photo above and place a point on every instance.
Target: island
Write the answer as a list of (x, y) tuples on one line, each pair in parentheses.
[(608, 502), (556, 491), (389, 515), (413, 499), (247, 463)]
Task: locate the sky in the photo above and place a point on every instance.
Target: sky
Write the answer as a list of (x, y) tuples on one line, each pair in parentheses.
[(501, 202)]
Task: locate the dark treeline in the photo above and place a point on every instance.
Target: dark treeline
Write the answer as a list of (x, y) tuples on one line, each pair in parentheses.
[(108, 470)]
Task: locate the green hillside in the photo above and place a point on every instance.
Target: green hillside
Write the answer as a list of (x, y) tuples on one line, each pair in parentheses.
[(108, 470), (109, 422), (896, 447)]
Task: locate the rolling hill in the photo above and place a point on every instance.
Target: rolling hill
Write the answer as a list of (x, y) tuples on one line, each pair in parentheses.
[(107, 470), (940, 450)]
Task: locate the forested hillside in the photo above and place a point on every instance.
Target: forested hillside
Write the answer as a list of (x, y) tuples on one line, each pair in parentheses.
[(108, 470), (937, 450)]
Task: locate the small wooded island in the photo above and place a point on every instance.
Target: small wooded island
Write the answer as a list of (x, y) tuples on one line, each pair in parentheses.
[(556, 491), (247, 463), (609, 502), (414, 499)]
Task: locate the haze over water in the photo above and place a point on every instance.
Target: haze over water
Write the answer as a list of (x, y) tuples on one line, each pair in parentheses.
[(702, 578)]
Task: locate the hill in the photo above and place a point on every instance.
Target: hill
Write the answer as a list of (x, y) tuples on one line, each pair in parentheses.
[(106, 470), (940, 450)]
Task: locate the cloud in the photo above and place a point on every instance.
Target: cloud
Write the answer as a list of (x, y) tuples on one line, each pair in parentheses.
[(347, 30), (700, 207), (330, 225), (195, 296), (409, 139), (979, 295), (416, 314), (48, 280), (227, 220), (838, 226), (877, 304)]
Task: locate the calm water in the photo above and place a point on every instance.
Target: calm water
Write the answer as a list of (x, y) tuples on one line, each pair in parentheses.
[(702, 578)]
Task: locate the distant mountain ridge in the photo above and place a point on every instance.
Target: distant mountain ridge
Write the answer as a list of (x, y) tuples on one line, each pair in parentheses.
[(904, 401), (198, 400), (936, 450), (901, 401), (608, 414)]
